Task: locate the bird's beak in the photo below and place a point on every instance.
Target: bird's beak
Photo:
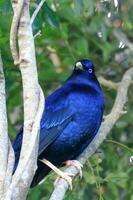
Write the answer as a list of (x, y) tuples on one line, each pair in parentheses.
[(79, 65)]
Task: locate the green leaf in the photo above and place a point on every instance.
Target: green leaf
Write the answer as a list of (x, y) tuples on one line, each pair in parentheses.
[(50, 16), (117, 176), (5, 6), (89, 6), (67, 13), (81, 47)]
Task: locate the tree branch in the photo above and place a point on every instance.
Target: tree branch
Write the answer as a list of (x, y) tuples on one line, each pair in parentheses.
[(33, 104), (107, 83), (14, 29), (10, 166), (3, 130), (37, 11), (105, 128), (52, 54)]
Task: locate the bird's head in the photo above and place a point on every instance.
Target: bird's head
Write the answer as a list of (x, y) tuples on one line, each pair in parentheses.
[(85, 65)]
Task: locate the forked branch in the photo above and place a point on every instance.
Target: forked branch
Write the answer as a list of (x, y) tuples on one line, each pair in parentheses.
[(32, 97)]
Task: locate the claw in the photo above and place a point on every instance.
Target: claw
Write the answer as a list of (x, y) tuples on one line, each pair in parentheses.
[(76, 164), (64, 175), (67, 177)]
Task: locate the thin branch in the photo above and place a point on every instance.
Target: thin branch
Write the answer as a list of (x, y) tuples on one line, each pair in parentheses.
[(105, 128), (37, 11), (120, 144), (14, 29), (37, 34), (52, 54), (3, 130), (17, 6), (107, 83)]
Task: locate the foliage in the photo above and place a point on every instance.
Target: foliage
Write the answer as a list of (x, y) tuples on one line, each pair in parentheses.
[(72, 30)]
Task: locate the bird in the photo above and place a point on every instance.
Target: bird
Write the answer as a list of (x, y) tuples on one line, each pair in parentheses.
[(70, 121)]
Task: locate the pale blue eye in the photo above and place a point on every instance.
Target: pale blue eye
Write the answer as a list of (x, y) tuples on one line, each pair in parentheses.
[(90, 70)]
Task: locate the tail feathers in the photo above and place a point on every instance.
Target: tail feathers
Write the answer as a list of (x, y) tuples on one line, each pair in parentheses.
[(42, 169), (17, 147)]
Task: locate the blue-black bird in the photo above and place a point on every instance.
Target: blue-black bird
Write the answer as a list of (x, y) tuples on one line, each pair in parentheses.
[(70, 121)]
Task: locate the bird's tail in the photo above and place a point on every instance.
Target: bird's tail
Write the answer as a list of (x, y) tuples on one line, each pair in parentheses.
[(42, 169), (17, 147)]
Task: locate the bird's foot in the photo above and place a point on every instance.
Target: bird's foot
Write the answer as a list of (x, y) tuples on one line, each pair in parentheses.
[(76, 164), (66, 176)]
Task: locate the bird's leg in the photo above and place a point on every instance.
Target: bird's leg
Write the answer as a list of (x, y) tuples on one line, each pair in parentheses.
[(64, 175), (76, 164)]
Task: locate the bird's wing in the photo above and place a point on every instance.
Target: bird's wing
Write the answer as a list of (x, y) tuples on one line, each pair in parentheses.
[(52, 125), (56, 116)]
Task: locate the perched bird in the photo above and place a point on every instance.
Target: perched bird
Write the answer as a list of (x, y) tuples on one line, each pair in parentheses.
[(70, 121)]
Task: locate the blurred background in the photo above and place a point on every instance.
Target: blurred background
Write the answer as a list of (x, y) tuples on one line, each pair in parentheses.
[(67, 31)]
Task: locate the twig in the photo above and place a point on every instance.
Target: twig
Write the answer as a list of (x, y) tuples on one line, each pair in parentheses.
[(37, 34), (101, 197), (92, 171), (105, 128), (37, 11), (120, 144)]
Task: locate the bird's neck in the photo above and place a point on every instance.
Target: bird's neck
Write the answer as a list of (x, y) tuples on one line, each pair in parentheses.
[(84, 79)]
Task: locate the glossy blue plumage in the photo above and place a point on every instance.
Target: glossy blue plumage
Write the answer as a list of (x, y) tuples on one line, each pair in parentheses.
[(71, 119)]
